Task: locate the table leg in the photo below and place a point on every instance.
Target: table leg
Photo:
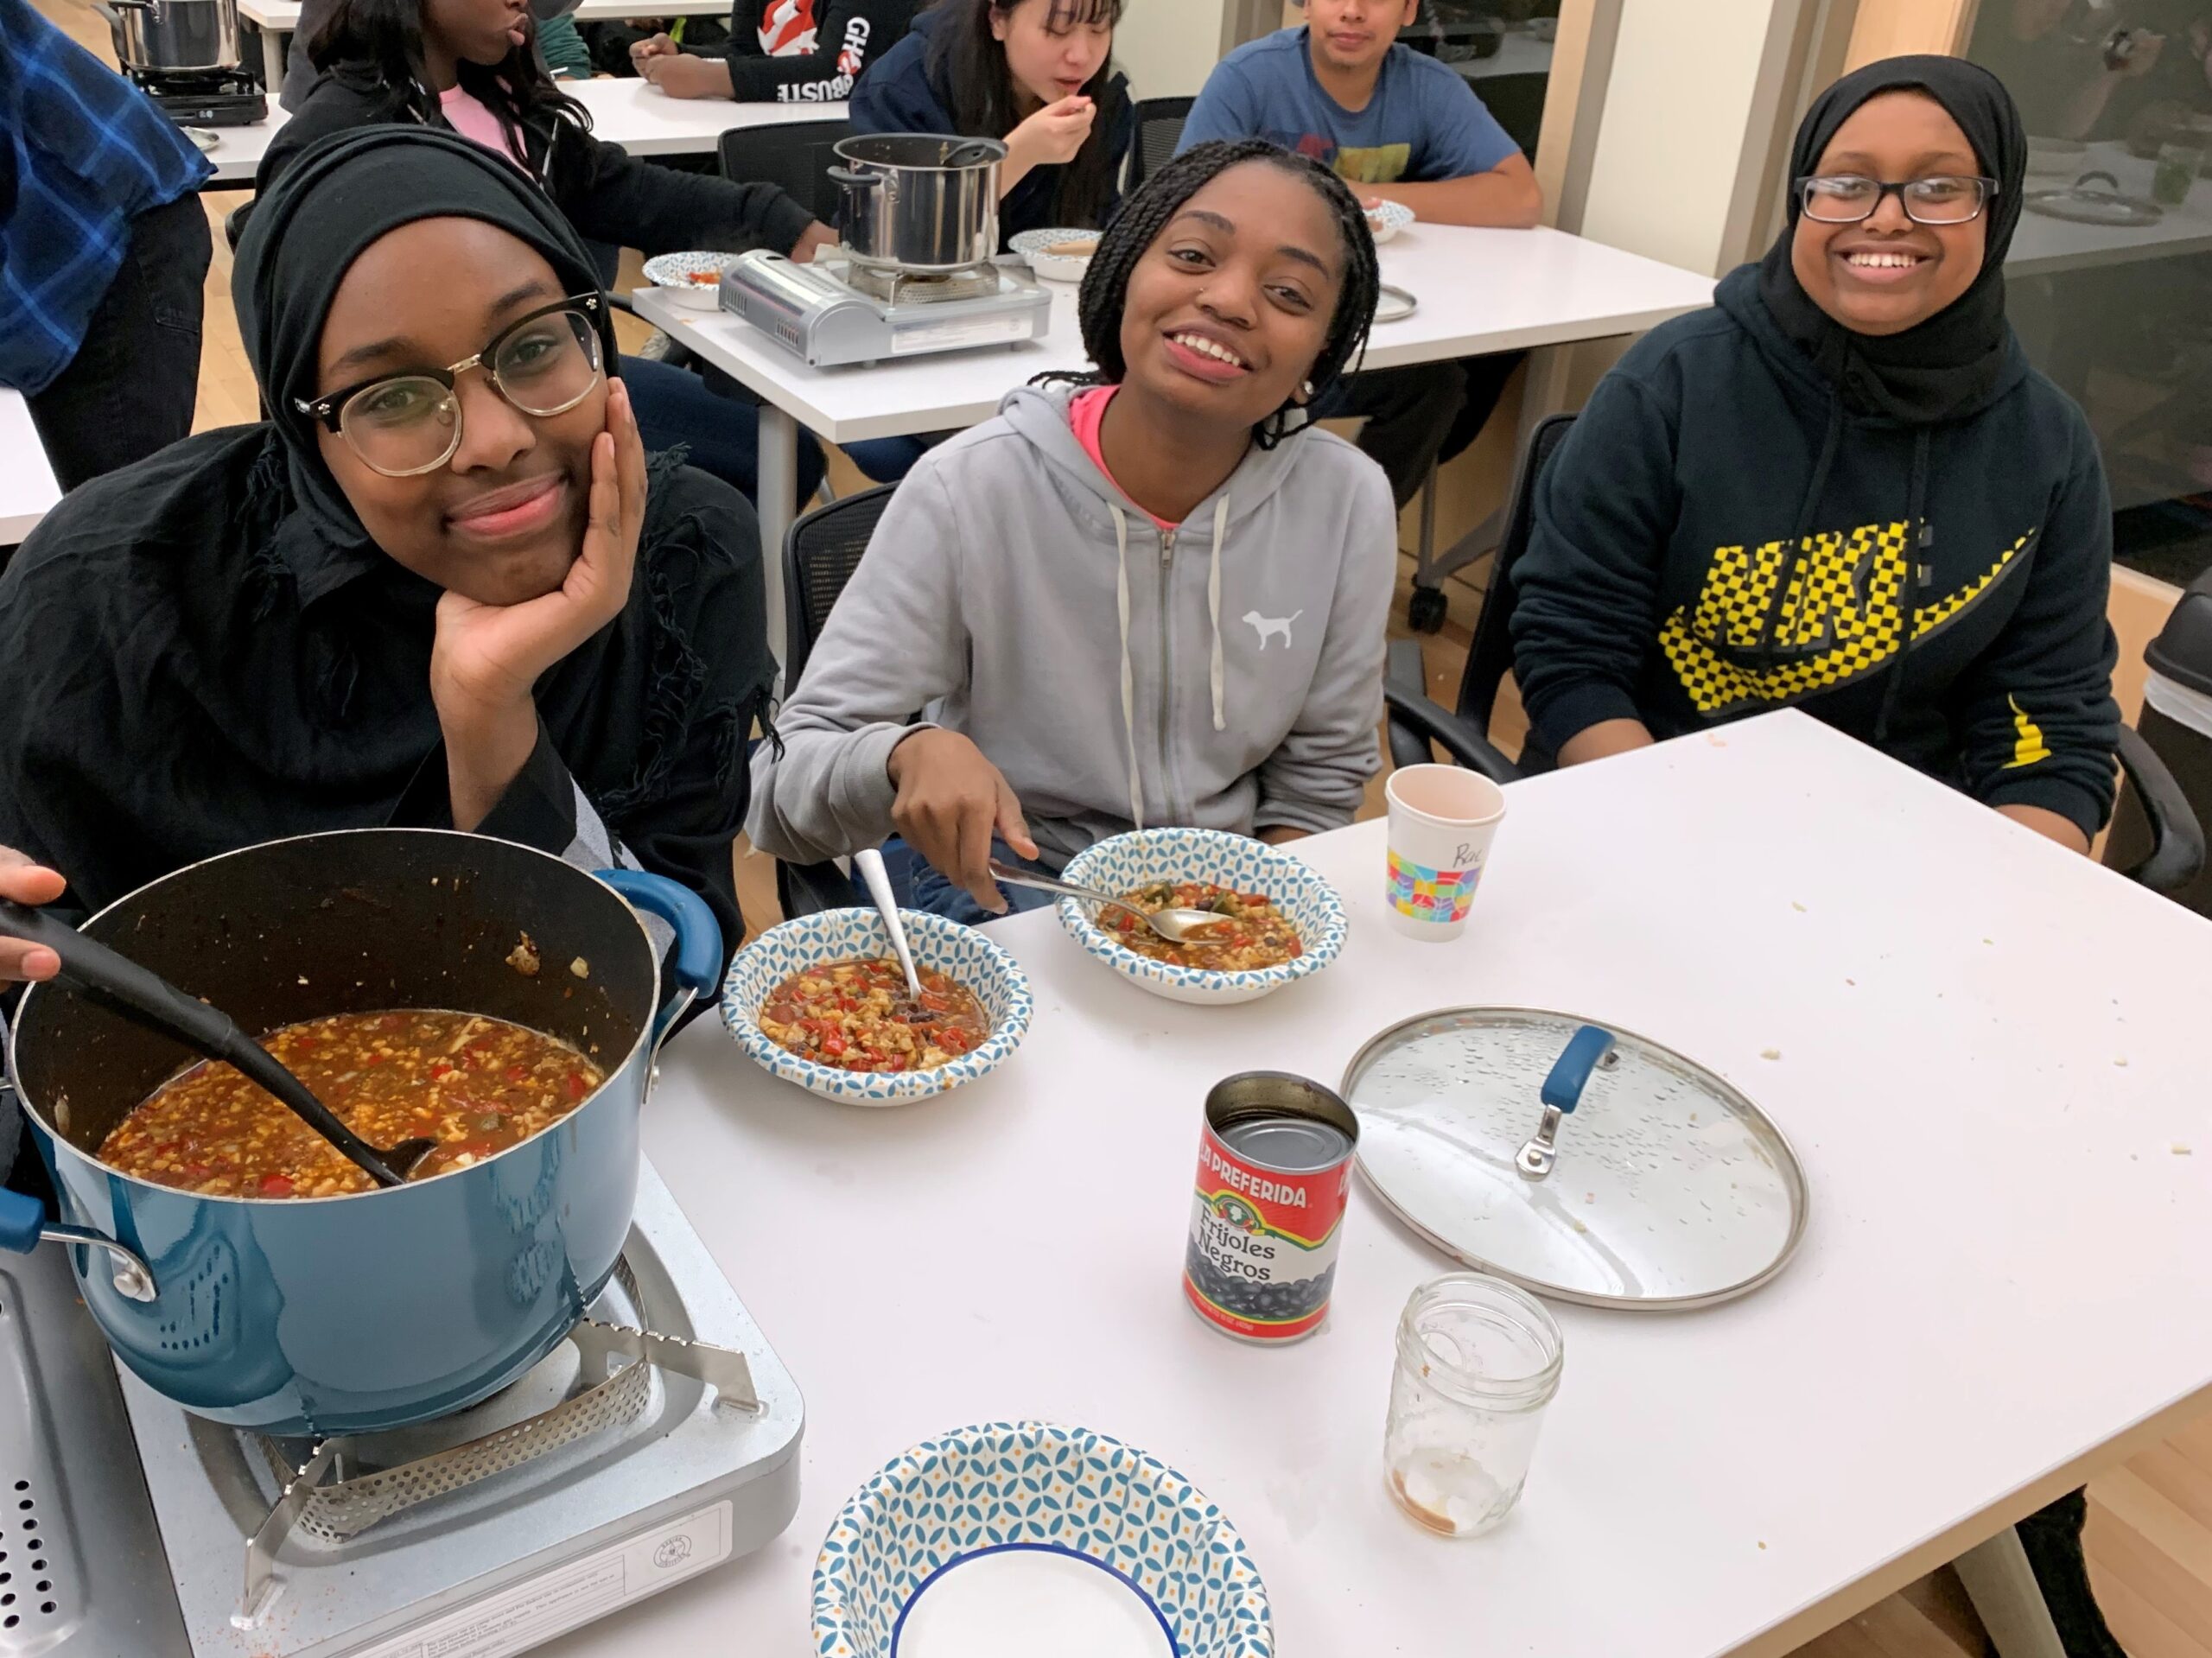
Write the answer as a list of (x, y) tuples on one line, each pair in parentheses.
[(778, 504), (1544, 391), (2003, 1588), (273, 44)]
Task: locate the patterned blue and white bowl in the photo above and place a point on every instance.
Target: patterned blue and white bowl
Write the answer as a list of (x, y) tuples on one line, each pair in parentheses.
[(1039, 1490), (1125, 862), (961, 953)]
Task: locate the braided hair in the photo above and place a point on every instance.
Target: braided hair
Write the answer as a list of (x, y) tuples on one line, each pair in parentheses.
[(1144, 215)]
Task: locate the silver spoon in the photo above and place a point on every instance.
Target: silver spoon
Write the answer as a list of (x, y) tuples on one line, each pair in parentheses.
[(1175, 925), (879, 888)]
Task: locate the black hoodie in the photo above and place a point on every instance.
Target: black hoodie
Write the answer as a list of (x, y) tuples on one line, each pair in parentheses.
[(1724, 531)]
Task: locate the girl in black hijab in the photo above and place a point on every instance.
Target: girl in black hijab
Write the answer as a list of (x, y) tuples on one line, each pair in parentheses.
[(1759, 497), (442, 586)]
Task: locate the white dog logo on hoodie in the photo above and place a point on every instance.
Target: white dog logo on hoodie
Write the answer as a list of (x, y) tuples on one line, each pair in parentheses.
[(1268, 626)]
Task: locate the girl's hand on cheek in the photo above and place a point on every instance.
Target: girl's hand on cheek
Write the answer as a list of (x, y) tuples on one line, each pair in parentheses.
[(485, 659), (488, 657)]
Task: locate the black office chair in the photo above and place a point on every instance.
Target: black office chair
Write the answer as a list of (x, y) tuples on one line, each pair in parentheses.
[(821, 552), (2176, 839), (797, 156), (1464, 729), (1158, 130)]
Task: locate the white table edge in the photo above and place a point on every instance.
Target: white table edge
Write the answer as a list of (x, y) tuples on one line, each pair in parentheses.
[(672, 319), (2052, 264), (15, 528), (1833, 1610)]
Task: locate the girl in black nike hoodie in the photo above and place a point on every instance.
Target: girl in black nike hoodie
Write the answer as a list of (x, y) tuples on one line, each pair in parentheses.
[(1726, 528)]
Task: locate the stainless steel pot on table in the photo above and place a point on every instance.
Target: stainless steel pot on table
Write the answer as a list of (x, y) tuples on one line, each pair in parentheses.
[(175, 35), (918, 201)]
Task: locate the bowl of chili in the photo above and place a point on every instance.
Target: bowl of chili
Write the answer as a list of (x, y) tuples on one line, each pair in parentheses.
[(1262, 893), (826, 985)]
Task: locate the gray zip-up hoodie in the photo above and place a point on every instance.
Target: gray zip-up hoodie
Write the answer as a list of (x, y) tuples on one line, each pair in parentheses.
[(1226, 674)]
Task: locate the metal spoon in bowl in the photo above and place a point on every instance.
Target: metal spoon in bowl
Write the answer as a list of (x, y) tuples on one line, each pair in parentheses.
[(909, 1007), (1177, 926), (146, 998)]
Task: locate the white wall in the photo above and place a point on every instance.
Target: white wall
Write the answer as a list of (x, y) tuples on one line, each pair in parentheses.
[(1168, 47), (1677, 110)]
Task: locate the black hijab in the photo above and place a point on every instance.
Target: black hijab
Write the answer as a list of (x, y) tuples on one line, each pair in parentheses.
[(1952, 361), (342, 194), (206, 649)]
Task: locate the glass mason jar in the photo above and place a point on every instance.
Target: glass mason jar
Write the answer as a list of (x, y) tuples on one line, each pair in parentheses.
[(1478, 1362)]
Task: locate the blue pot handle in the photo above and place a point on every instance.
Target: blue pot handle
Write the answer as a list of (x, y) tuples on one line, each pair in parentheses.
[(698, 935), (1570, 1073), (1562, 1092), (22, 1222), (23, 1225)]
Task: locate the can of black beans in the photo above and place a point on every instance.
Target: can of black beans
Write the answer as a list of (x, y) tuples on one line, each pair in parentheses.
[(1275, 1164)]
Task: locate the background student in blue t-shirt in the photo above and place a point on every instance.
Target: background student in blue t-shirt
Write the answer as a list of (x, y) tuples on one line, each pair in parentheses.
[(1398, 126)]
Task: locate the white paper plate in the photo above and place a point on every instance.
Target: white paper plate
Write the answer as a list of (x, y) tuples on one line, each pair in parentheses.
[(962, 953), (1030, 1540), (1387, 218), (675, 270), (1121, 863)]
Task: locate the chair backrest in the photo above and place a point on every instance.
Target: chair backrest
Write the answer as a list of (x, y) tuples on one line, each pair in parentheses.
[(821, 552), (797, 156), (1158, 130), (1490, 657)]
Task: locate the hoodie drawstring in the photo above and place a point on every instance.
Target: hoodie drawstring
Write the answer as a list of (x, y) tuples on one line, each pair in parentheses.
[(1794, 555), (1128, 671), (1213, 606), (1908, 595)]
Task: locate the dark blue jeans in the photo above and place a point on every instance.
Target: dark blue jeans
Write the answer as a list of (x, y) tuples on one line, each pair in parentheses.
[(130, 388), (931, 891), (676, 406)]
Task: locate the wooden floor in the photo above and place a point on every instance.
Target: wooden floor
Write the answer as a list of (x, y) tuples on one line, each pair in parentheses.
[(2149, 1522)]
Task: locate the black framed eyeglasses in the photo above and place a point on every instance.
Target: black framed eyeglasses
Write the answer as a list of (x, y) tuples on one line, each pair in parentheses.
[(404, 425), (1845, 198)]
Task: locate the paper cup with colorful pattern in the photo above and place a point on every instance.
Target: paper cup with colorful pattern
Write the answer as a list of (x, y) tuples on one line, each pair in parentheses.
[(1443, 819)]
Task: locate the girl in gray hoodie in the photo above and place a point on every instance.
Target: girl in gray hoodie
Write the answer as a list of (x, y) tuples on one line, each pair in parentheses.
[(1157, 596)]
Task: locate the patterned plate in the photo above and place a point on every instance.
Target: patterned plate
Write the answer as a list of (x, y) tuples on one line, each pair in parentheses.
[(675, 270), (961, 953), (1387, 218), (1011, 1486), (1030, 241), (1124, 862)]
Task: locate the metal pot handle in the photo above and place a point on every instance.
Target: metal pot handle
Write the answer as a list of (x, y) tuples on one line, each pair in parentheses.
[(23, 1225), (698, 937), (1587, 1049), (843, 175)]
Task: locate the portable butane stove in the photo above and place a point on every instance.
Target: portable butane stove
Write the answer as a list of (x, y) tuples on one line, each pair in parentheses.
[(835, 313), (659, 1441), (204, 98)]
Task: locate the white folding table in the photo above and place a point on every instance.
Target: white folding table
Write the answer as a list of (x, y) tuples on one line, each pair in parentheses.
[(1985, 1048), (1478, 291)]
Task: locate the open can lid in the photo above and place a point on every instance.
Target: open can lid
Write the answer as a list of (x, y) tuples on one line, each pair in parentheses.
[(1580, 1162)]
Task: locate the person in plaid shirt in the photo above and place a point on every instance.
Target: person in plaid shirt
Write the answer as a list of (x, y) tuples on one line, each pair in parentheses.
[(104, 252)]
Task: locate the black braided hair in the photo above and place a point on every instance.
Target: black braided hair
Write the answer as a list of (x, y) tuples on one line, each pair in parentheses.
[(1144, 215)]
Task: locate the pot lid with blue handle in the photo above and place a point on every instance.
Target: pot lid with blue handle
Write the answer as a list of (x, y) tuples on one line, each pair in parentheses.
[(1580, 1160)]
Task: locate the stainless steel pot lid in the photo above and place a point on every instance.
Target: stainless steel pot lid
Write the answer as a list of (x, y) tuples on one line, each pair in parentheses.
[(1393, 304), (2083, 202), (1580, 1162)]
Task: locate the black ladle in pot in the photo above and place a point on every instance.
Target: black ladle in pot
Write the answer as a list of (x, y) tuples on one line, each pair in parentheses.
[(120, 983)]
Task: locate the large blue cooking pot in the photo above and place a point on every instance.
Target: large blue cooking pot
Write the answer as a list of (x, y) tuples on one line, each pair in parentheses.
[(352, 1314)]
